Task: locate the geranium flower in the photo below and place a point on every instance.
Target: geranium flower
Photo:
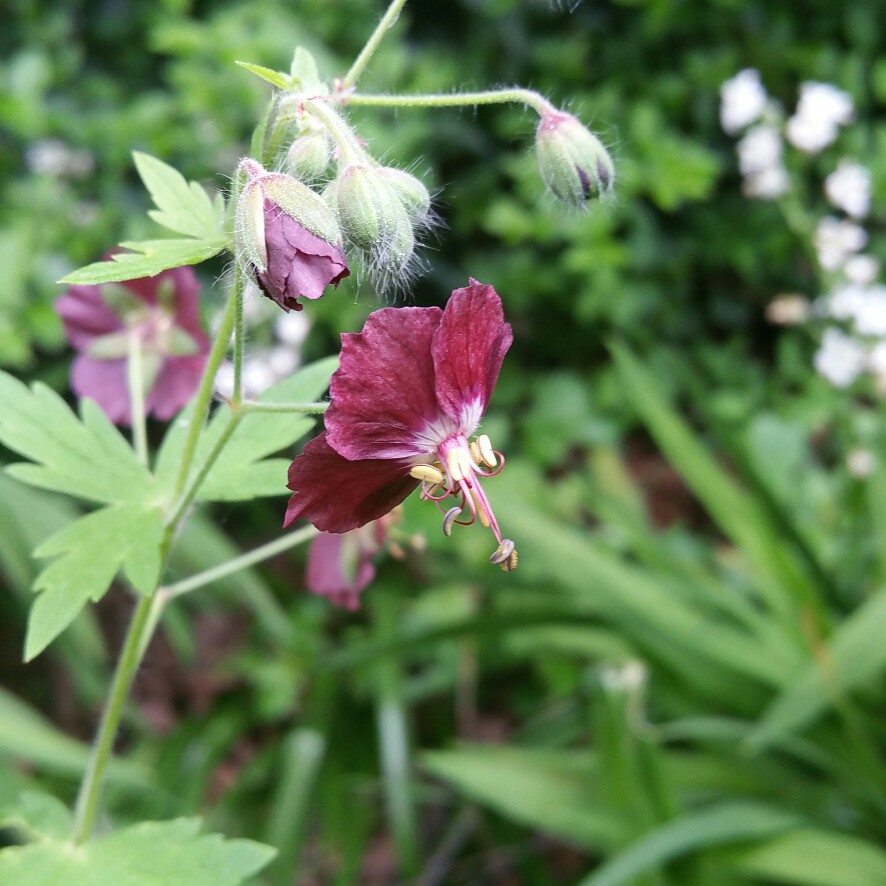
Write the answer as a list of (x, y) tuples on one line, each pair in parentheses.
[(407, 398), (161, 316), (340, 564)]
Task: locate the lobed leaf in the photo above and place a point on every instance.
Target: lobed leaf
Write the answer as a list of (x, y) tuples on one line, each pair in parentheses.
[(182, 206), (170, 852), (149, 257), (89, 553), (242, 470), (89, 459)]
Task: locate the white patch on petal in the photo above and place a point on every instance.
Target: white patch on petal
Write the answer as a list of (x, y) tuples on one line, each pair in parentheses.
[(471, 413)]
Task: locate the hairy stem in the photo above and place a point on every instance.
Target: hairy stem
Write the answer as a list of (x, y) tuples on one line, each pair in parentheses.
[(527, 97), (387, 21), (300, 408), (344, 139), (127, 664)]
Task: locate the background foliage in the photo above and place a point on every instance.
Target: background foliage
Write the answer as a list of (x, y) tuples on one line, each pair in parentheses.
[(683, 682)]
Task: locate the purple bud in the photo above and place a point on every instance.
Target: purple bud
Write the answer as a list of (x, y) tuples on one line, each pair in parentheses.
[(287, 238)]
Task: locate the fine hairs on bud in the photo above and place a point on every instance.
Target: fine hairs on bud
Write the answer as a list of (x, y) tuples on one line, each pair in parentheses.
[(573, 162)]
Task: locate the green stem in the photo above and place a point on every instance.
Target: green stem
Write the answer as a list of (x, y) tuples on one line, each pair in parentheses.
[(387, 20), (130, 656), (186, 499), (244, 561), (248, 406), (526, 97), (136, 381), (237, 296), (204, 395), (345, 140)]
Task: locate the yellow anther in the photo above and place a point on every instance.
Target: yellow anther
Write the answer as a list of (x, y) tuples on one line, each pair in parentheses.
[(427, 474), (475, 451), (453, 463), (487, 453), (510, 564), (503, 554)]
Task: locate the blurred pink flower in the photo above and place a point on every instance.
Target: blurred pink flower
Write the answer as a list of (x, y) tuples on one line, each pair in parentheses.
[(161, 314)]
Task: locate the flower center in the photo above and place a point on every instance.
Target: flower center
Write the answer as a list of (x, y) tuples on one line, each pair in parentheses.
[(457, 472)]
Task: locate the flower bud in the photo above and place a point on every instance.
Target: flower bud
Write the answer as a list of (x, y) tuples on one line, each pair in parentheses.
[(573, 162), (286, 237), (309, 155), (411, 192), (368, 209)]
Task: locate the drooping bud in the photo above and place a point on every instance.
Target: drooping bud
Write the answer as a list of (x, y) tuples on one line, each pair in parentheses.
[(309, 155), (374, 219), (368, 209), (412, 193), (286, 237), (572, 160)]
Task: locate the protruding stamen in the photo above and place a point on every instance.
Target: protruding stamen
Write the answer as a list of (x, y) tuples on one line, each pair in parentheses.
[(502, 552), (510, 564), (454, 466), (487, 453), (426, 473), (483, 516), (449, 518)]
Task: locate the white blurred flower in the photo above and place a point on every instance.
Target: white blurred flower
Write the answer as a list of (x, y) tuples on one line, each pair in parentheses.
[(877, 359), (759, 149), (52, 156), (840, 359), (821, 110), (788, 309), (836, 240), (767, 184), (861, 463), (224, 380), (861, 269), (849, 188), (283, 360), (257, 375), (627, 677), (292, 328), (844, 303), (742, 100), (870, 313)]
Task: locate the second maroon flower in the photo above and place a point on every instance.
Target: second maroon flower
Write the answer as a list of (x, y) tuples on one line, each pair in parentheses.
[(407, 400)]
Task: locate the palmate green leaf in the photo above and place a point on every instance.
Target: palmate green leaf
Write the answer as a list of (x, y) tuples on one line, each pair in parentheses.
[(149, 257), (243, 471), (812, 857), (89, 459), (33, 815), (855, 653), (89, 553), (182, 206), (553, 791), (171, 853), (723, 824)]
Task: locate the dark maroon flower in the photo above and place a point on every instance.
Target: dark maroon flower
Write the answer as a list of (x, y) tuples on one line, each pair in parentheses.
[(340, 564), (287, 238), (407, 397), (161, 315)]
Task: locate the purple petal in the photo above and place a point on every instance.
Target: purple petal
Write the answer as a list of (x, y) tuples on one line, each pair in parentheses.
[(105, 382), (327, 572), (383, 391), (174, 386), (468, 349), (300, 264), (85, 315), (338, 495)]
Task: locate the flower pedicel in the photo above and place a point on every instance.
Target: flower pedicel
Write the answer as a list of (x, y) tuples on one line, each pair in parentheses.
[(407, 398)]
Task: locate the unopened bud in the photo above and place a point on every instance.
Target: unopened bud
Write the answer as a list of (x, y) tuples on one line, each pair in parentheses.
[(572, 160), (368, 209), (309, 155), (287, 238), (411, 192)]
